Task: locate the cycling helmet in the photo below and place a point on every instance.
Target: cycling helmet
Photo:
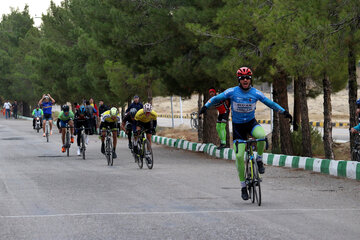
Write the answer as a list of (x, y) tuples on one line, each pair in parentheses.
[(244, 71), (65, 108), (212, 90), (82, 109), (114, 111), (133, 112), (358, 102), (147, 107)]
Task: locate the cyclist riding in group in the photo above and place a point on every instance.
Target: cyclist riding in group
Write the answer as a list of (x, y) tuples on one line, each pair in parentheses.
[(145, 118), (82, 118), (66, 116), (46, 102), (37, 113), (223, 108), (243, 100), (127, 124), (110, 119)]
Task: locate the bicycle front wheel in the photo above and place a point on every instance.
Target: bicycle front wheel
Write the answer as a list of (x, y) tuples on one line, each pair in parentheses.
[(148, 154), (256, 184), (67, 141), (248, 179), (139, 155), (83, 145), (47, 132), (107, 151)]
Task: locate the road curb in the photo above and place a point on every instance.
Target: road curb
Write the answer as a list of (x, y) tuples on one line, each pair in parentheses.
[(339, 168)]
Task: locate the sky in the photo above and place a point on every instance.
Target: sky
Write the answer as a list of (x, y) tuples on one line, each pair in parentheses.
[(36, 7)]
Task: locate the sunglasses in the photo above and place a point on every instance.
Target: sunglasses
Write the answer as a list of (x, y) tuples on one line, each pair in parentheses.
[(244, 77)]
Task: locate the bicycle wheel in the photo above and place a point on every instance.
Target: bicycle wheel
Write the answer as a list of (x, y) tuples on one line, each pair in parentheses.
[(67, 143), (248, 179), (83, 145), (356, 155), (256, 185), (148, 154), (139, 155), (47, 132), (107, 150)]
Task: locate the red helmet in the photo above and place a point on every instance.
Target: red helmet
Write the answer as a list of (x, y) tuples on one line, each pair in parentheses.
[(244, 71)]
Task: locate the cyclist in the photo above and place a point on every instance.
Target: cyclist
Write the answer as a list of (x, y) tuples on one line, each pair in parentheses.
[(223, 108), (243, 100), (65, 116), (37, 113), (82, 118), (145, 118), (127, 124), (110, 118), (46, 102)]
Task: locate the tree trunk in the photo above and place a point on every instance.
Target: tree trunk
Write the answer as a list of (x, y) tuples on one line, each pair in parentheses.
[(129, 101), (352, 85), (280, 85), (275, 136), (228, 133), (149, 90), (26, 109), (296, 116), (305, 125), (200, 119), (328, 142), (122, 111), (210, 134)]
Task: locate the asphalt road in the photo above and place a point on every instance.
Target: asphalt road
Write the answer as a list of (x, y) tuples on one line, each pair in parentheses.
[(46, 195), (339, 134)]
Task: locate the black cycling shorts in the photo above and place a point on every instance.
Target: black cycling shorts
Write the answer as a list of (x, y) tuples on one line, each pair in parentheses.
[(113, 126), (147, 126), (79, 124), (223, 118), (47, 116), (241, 131)]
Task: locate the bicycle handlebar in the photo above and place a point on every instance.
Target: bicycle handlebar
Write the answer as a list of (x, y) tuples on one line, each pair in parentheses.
[(253, 141)]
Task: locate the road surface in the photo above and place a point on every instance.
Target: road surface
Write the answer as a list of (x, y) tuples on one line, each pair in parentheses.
[(46, 195)]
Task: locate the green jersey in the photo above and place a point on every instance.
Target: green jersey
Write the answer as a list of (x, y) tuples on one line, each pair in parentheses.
[(37, 112), (63, 117)]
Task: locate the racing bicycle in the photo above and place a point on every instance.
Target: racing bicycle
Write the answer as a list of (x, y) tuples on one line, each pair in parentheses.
[(252, 175), (144, 151)]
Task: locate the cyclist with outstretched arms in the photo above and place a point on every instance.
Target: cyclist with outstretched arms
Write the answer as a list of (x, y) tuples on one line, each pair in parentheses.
[(66, 116), (47, 102), (82, 118), (110, 119), (37, 113), (145, 118), (243, 100), (127, 124)]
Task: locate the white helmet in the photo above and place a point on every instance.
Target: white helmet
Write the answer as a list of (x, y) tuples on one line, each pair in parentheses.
[(147, 107)]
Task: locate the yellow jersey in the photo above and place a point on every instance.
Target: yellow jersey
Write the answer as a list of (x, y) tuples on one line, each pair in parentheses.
[(106, 117), (141, 116)]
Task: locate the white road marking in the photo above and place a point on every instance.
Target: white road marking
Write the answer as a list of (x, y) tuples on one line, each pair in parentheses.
[(187, 212)]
